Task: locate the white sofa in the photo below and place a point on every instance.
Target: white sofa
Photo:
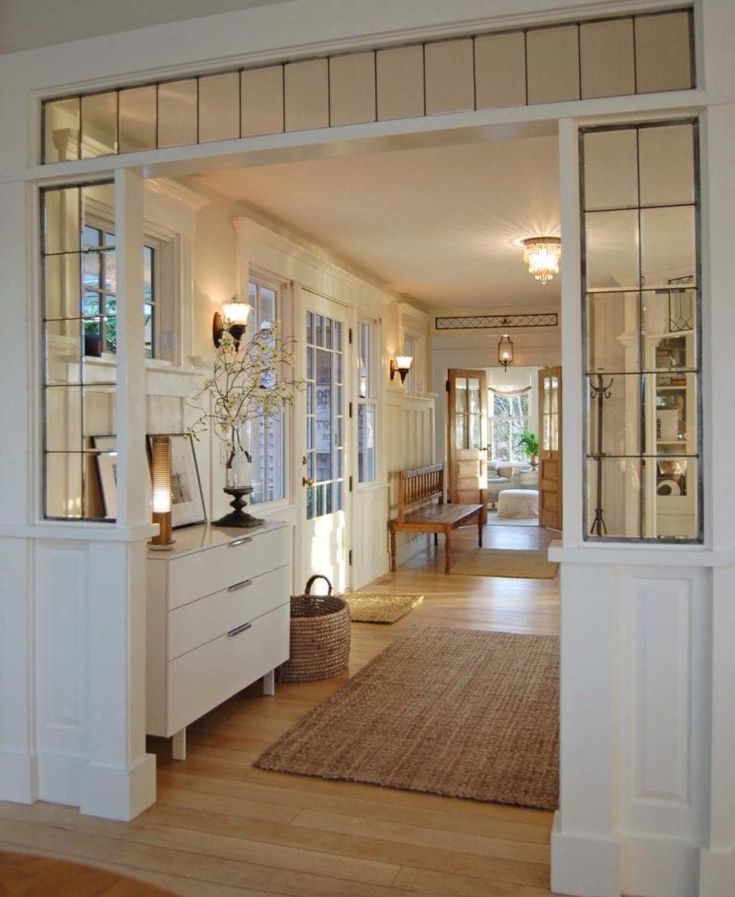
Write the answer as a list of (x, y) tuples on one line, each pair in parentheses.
[(509, 475)]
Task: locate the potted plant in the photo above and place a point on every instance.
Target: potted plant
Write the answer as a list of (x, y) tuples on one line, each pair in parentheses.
[(528, 441), (252, 379)]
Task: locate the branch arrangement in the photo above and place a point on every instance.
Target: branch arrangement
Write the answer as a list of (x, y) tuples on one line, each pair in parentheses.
[(252, 381)]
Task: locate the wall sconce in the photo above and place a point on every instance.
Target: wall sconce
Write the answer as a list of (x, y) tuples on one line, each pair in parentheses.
[(161, 477), (401, 365), (505, 351), (233, 319)]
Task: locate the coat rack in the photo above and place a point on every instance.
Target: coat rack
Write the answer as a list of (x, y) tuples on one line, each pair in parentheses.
[(599, 391)]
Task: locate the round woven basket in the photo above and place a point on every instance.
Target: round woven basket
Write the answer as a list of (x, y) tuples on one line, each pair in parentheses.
[(320, 635)]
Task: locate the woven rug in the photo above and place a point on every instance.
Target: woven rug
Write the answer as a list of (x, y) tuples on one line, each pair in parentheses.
[(457, 712), (517, 564), (365, 608)]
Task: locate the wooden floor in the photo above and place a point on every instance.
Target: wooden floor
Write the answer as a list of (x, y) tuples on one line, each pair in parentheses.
[(223, 829)]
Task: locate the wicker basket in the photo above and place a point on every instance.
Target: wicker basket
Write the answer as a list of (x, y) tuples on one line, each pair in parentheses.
[(320, 636)]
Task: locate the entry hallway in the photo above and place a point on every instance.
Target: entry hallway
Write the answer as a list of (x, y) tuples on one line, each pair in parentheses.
[(223, 829)]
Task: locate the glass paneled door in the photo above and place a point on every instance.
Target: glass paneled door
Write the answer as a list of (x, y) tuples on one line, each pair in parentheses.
[(324, 481), (550, 507), (467, 436)]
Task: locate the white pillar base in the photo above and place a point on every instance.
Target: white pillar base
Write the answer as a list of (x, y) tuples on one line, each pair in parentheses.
[(582, 865), (118, 793), (717, 872), (18, 777), (660, 867)]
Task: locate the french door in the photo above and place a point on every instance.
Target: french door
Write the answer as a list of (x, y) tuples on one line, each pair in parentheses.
[(467, 436), (550, 448), (323, 484)]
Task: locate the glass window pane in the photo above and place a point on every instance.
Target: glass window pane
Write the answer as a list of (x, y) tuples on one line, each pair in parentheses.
[(366, 447), (98, 407), (137, 119), (610, 170), (61, 286), (614, 497), (673, 513), (667, 245), (64, 485), (63, 342), (676, 421), (61, 130), (61, 220), (99, 124), (177, 113), (667, 165), (613, 332), (63, 430), (219, 107), (614, 414), (612, 250)]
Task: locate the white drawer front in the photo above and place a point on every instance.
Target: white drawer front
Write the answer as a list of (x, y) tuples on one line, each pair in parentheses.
[(206, 572), (201, 621), (201, 679)]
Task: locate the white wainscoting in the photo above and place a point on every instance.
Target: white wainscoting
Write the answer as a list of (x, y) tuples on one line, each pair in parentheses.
[(637, 779), (409, 433)]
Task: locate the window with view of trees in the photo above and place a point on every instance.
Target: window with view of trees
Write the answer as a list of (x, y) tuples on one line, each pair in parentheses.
[(508, 419), (268, 437)]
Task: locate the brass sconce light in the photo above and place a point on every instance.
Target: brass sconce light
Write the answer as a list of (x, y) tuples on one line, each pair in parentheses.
[(233, 319), (401, 365), (505, 351), (161, 477)]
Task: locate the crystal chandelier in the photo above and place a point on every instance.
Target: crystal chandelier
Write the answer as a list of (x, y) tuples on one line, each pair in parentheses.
[(542, 255)]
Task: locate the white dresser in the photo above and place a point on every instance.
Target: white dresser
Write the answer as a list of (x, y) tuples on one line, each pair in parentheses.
[(218, 608)]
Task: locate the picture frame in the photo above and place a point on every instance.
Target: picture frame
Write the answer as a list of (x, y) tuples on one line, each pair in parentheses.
[(105, 448), (187, 498)]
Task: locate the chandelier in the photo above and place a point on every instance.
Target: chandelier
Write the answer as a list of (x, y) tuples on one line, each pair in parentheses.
[(542, 255)]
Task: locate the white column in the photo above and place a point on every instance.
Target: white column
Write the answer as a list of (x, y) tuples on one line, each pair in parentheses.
[(717, 862), (119, 778), (17, 753)]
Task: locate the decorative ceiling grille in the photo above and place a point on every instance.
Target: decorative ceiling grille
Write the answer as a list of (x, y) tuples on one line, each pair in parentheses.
[(497, 322)]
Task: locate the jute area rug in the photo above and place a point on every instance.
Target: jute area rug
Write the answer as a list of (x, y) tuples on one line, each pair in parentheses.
[(366, 608), (457, 712), (517, 564)]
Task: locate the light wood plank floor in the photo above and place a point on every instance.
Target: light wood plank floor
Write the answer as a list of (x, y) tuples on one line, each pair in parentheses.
[(223, 829)]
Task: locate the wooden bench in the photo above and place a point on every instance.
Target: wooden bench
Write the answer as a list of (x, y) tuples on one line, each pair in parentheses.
[(421, 509)]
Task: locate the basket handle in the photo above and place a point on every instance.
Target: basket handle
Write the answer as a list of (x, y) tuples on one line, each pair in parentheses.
[(312, 579)]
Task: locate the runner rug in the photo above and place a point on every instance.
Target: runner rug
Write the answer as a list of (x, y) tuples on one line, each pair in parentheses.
[(457, 712), (507, 562)]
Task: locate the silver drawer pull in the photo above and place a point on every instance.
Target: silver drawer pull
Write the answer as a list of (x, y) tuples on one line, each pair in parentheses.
[(243, 541), (240, 585), (238, 629)]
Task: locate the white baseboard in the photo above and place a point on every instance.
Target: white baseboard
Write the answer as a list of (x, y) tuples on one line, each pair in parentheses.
[(18, 777), (717, 872), (109, 791), (659, 867), (59, 777), (582, 865), (118, 793)]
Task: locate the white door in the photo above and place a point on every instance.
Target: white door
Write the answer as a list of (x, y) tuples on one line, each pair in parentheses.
[(324, 482)]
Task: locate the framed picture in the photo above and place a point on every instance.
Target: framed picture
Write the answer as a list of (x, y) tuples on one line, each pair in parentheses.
[(106, 462), (187, 499)]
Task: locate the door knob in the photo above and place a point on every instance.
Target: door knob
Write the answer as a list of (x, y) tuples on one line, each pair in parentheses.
[(307, 481)]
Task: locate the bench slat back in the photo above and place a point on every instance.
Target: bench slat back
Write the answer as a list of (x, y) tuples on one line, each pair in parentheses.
[(419, 487)]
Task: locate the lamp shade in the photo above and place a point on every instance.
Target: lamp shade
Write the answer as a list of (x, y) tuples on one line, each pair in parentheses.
[(161, 482), (236, 313), (505, 350)]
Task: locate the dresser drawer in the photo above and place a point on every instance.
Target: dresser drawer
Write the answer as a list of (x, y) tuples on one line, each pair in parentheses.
[(208, 618), (206, 572), (208, 675)]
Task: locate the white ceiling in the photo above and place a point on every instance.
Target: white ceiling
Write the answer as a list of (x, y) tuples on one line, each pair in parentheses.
[(442, 225)]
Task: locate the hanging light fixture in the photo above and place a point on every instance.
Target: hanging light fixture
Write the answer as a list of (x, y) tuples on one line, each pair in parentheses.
[(505, 351), (542, 255)]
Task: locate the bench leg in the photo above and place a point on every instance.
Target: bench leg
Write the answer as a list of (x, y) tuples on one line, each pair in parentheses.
[(479, 530), (436, 538), (393, 550), (447, 550)]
